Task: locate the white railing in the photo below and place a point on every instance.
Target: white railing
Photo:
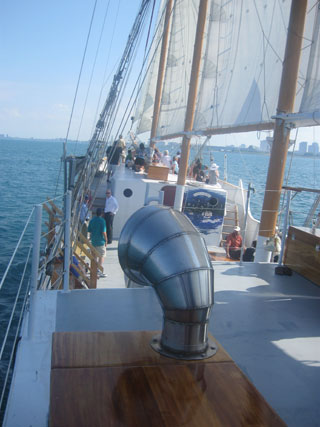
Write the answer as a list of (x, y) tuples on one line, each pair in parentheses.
[(22, 279)]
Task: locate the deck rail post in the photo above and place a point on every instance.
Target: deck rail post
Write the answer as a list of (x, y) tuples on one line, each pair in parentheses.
[(67, 247), (250, 189), (34, 267), (285, 226)]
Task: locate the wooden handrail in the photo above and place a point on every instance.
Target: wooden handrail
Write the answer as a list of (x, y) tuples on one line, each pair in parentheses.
[(55, 207)]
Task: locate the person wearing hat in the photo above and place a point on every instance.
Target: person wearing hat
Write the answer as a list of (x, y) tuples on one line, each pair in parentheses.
[(233, 244), (213, 173)]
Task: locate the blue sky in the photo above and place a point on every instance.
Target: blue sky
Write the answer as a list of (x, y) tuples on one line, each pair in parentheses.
[(41, 49)]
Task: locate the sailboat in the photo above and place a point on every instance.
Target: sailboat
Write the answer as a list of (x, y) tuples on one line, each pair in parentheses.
[(84, 354)]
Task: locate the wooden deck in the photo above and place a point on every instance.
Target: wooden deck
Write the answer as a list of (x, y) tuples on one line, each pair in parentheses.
[(115, 378), (220, 256)]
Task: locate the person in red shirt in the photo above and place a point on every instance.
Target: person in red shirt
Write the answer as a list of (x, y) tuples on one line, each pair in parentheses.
[(233, 244)]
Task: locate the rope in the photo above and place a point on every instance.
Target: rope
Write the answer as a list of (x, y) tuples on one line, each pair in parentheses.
[(78, 83), (92, 71)]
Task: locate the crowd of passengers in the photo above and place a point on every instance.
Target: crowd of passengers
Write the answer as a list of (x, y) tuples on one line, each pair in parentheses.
[(138, 157)]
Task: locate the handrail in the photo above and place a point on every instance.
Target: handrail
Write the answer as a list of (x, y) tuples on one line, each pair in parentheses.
[(15, 251), (14, 346), (15, 304)]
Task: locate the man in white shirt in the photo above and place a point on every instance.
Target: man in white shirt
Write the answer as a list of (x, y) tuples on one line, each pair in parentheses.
[(110, 209)]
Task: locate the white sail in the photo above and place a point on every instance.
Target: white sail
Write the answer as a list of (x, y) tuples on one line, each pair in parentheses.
[(242, 64), (178, 69), (144, 110), (311, 95)]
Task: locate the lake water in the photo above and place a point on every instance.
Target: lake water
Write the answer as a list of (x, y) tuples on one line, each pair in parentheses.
[(30, 173)]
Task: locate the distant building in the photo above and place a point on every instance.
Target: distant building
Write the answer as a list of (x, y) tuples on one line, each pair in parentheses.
[(313, 148), (264, 146), (303, 146), (243, 146)]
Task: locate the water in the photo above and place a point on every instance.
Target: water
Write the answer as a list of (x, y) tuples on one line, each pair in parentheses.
[(253, 167), (29, 174), (30, 171)]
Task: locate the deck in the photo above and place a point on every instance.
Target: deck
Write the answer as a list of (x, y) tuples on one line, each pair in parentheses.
[(270, 326)]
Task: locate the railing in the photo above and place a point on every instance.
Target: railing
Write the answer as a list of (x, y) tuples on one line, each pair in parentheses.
[(15, 287)]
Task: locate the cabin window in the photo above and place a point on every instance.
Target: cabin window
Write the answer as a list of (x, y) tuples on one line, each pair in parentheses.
[(213, 201), (127, 192)]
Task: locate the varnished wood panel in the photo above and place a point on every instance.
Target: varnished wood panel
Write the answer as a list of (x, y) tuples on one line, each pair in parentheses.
[(202, 394), (158, 172), (93, 349), (219, 257), (301, 255)]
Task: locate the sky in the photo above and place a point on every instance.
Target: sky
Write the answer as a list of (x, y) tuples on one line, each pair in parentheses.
[(41, 50)]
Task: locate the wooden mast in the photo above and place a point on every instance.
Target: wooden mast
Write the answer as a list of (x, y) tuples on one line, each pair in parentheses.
[(285, 105), (163, 57), (191, 104)]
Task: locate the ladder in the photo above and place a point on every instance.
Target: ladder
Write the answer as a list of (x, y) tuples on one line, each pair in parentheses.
[(231, 220)]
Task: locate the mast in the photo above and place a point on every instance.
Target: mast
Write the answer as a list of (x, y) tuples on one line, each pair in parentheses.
[(163, 57), (191, 104), (280, 144)]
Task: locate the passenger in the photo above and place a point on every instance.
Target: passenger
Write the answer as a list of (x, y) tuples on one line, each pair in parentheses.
[(234, 244), (248, 256), (139, 162), (75, 280), (196, 168), (75, 277), (273, 244), (178, 156), (98, 235), (213, 173), (200, 175), (156, 159), (175, 166), (110, 209), (113, 154), (129, 160), (206, 174), (84, 217), (166, 159), (121, 142)]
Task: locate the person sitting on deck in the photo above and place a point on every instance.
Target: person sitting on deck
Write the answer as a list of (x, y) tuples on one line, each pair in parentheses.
[(234, 244), (156, 158), (129, 160), (248, 256)]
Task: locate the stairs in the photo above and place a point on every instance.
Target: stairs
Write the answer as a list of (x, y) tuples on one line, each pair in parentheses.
[(230, 221)]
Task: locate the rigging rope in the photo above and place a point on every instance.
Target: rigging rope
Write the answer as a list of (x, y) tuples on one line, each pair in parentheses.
[(77, 87), (92, 71)]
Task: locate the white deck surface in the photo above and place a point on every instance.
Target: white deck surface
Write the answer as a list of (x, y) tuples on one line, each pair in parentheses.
[(111, 266), (269, 324)]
